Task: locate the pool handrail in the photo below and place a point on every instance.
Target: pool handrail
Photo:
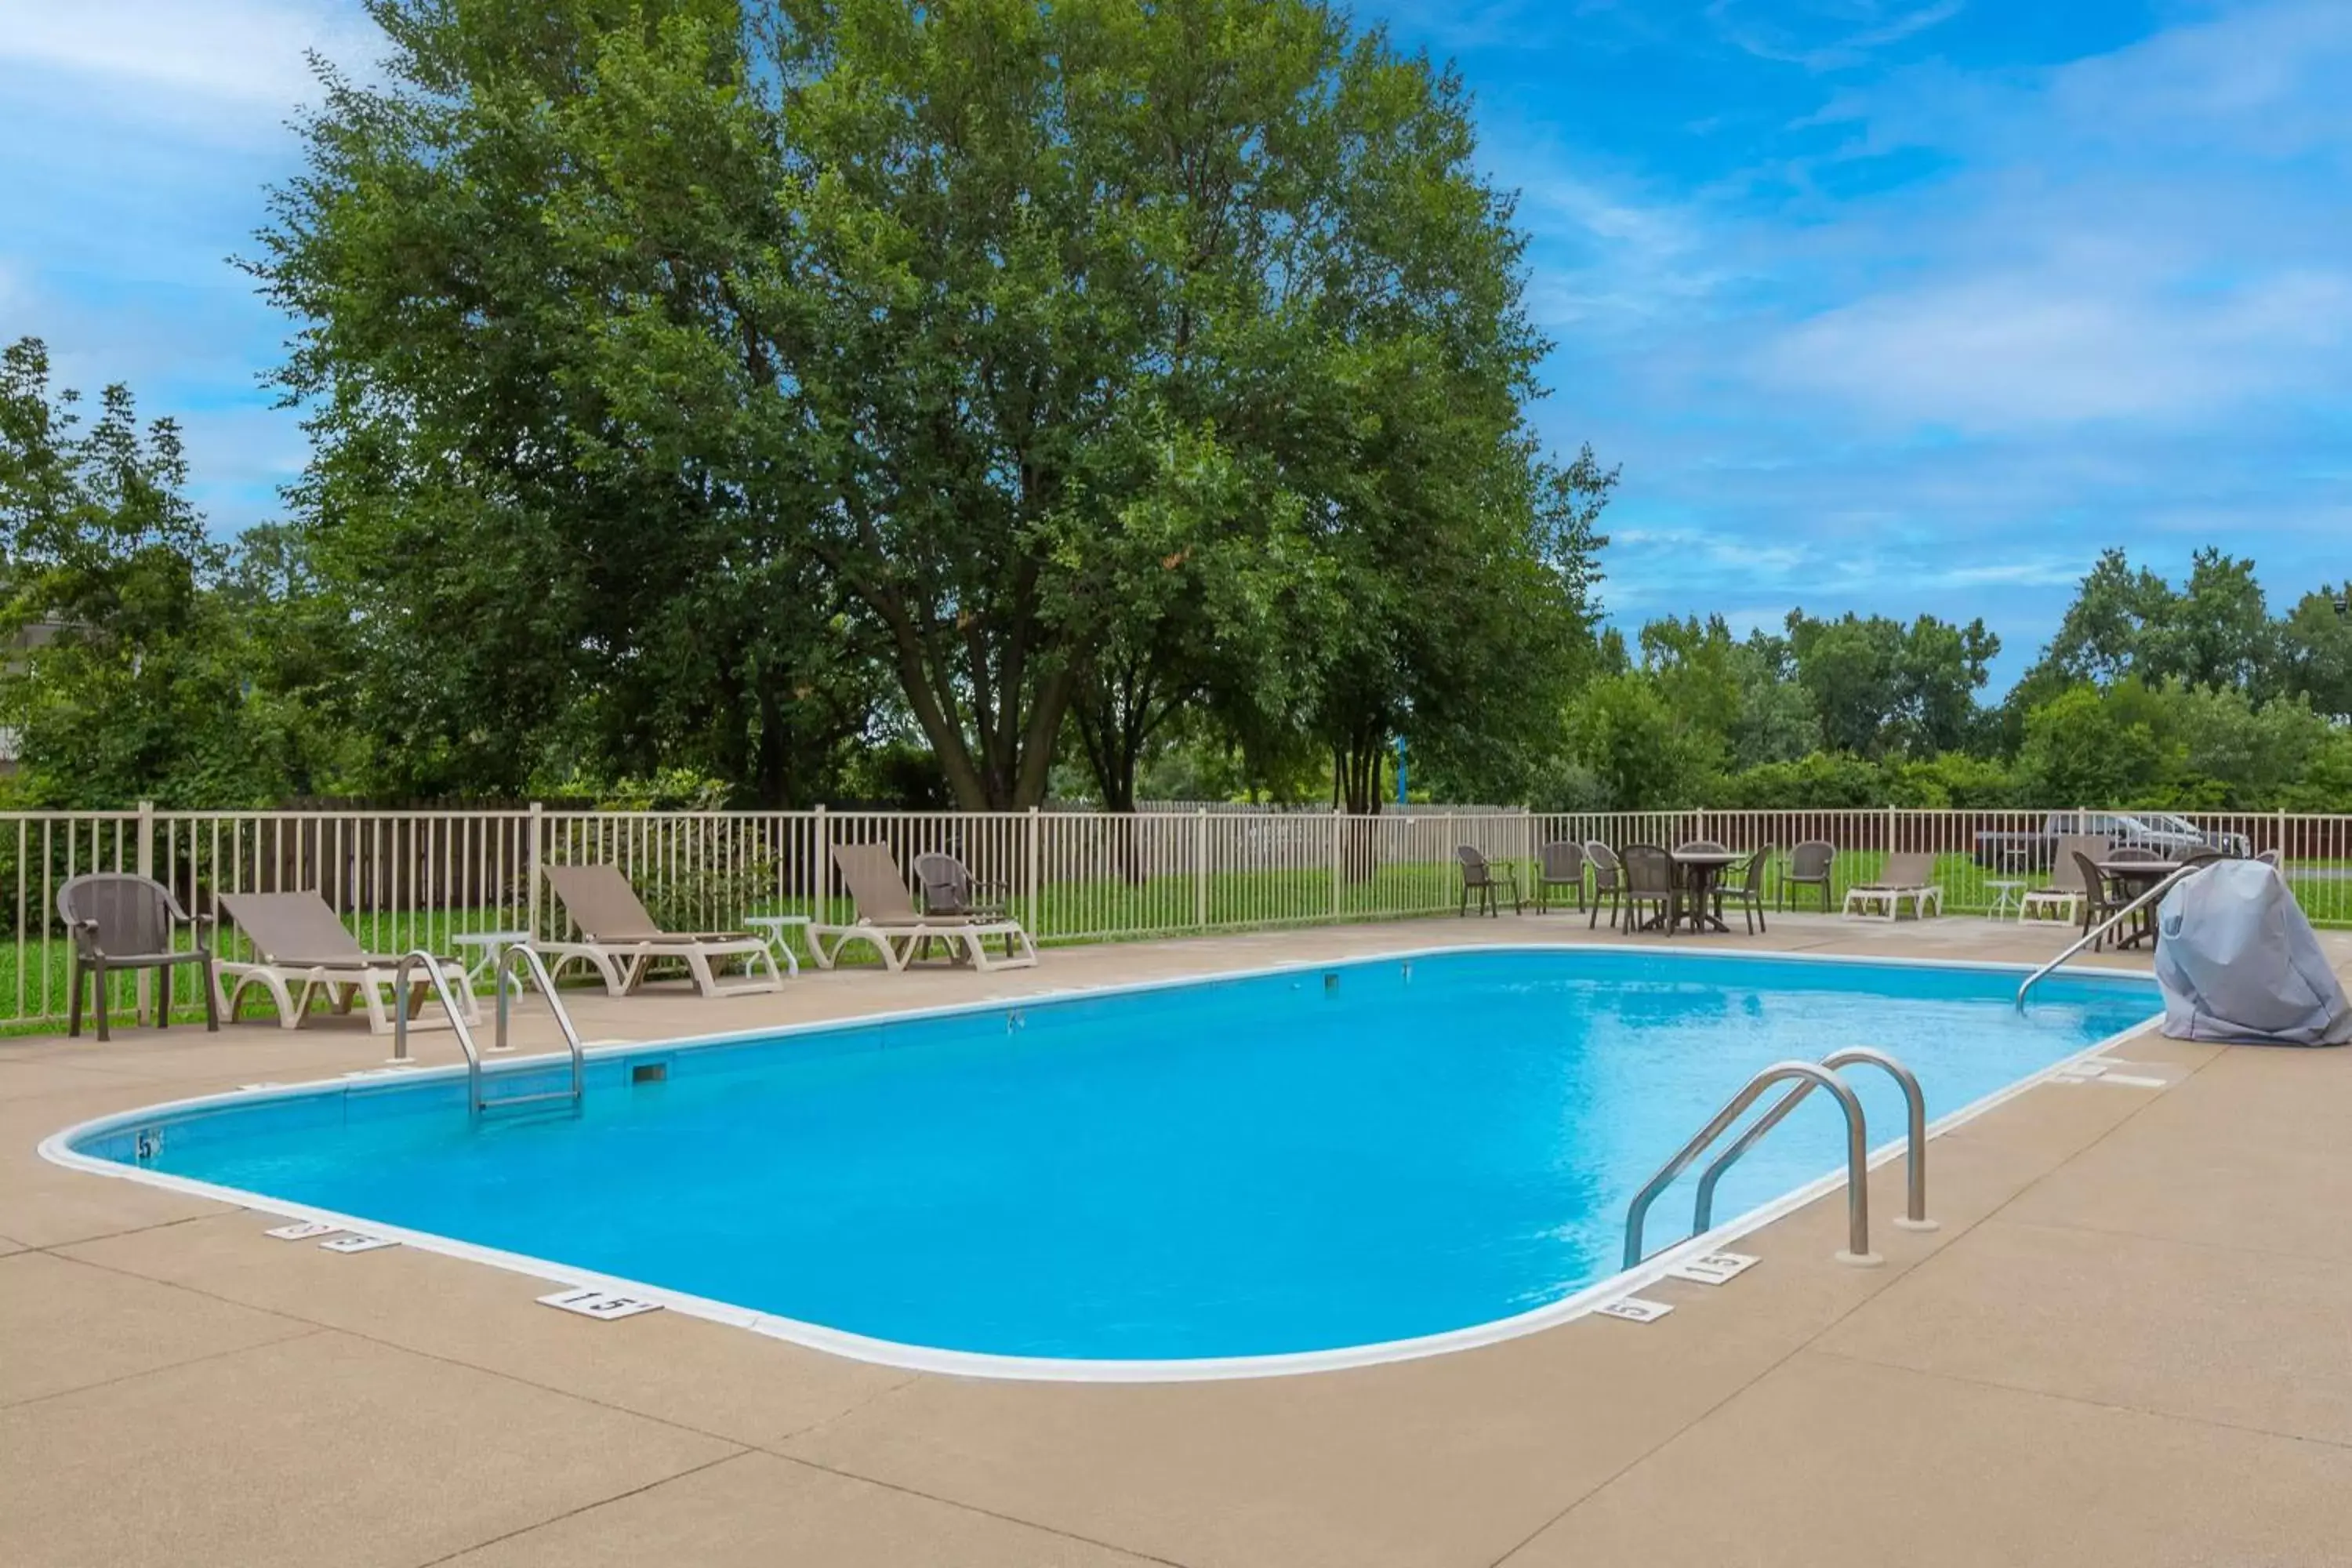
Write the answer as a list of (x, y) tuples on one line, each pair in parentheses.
[(546, 981), (1857, 1148), (1915, 1101), (2098, 932), (475, 1103)]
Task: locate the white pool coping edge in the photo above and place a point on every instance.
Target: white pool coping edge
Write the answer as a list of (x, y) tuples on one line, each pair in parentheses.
[(58, 1149)]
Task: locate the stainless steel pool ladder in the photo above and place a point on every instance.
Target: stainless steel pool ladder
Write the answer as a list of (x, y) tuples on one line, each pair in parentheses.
[(508, 959), (1807, 1077), (2110, 923)]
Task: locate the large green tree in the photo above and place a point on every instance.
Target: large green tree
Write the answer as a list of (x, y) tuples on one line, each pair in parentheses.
[(678, 365)]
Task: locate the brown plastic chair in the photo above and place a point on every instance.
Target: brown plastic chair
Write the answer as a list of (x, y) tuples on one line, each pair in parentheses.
[(950, 888), (1749, 894), (1650, 879), (1812, 864), (2100, 899), (1607, 882), (121, 922), (1559, 863), (1478, 883)]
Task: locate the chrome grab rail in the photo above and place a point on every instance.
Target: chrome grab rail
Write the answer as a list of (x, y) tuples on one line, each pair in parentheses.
[(1915, 1101), (554, 1003), (1857, 1147), (2112, 921), (440, 981)]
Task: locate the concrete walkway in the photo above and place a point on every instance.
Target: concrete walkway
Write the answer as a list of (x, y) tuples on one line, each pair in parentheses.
[(2128, 1345)]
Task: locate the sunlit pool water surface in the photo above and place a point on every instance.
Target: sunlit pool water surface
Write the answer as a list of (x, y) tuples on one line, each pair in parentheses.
[(1273, 1163)]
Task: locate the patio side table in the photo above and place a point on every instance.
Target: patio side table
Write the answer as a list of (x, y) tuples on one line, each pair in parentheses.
[(774, 927), (492, 944), (2005, 902)]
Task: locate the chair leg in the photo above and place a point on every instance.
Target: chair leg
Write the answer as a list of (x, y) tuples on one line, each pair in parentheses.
[(98, 970), (212, 999), (73, 1003), (164, 997)]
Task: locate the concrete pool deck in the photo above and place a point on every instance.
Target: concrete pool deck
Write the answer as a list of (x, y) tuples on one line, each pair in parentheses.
[(2127, 1344)]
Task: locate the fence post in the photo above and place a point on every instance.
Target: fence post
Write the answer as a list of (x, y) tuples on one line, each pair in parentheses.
[(1339, 860), (531, 856), (821, 869), (146, 852), (2279, 844), (1201, 868), (1036, 860), (1890, 830)]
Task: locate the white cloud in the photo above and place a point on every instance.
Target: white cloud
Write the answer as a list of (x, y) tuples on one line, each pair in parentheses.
[(231, 51), (2057, 345), (1854, 28)]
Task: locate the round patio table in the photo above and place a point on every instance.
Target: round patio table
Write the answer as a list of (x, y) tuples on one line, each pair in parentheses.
[(1701, 869)]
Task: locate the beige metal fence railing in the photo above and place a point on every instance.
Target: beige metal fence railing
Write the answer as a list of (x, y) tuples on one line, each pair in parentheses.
[(420, 878)]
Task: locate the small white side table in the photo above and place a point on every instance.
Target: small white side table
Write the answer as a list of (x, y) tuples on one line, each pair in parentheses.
[(774, 927), (2006, 902), (492, 944)]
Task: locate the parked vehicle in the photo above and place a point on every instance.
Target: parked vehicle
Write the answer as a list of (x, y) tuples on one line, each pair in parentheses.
[(2174, 837)]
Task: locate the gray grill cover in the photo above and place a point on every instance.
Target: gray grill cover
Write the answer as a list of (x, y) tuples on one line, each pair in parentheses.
[(2238, 961)]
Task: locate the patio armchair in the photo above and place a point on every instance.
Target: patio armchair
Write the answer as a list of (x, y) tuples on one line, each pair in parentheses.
[(1607, 882), (950, 888), (1559, 863), (1812, 864), (1747, 892), (1479, 883), (1650, 879), (2101, 896), (119, 920)]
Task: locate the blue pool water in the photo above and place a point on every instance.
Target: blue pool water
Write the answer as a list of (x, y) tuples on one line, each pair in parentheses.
[(1282, 1163)]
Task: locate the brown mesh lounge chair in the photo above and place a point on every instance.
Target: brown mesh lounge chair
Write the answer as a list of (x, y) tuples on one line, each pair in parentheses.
[(888, 921), (1747, 893), (1559, 864), (1907, 878), (1478, 883), (1810, 865), (621, 941), (2063, 898), (298, 942), (1607, 882), (1649, 879), (121, 922), (950, 888)]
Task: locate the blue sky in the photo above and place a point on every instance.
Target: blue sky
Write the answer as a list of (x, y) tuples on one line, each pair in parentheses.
[(1891, 305)]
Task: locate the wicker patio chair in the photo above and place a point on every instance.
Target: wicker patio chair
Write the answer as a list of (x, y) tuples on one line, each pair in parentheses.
[(1812, 864), (1749, 892), (1607, 882), (1559, 863), (1479, 884), (1650, 879), (121, 922)]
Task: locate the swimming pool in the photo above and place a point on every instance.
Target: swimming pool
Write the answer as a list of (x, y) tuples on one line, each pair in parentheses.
[(1293, 1164)]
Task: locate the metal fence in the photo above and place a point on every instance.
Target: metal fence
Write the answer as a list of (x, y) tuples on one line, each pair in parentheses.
[(418, 878)]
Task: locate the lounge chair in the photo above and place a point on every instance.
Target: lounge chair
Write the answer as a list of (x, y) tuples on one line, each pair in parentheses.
[(1906, 879), (1607, 882), (122, 921), (1810, 865), (2063, 898), (888, 921), (1478, 883), (297, 943), (950, 888), (1747, 892), (622, 943), (1649, 879), (1558, 864)]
